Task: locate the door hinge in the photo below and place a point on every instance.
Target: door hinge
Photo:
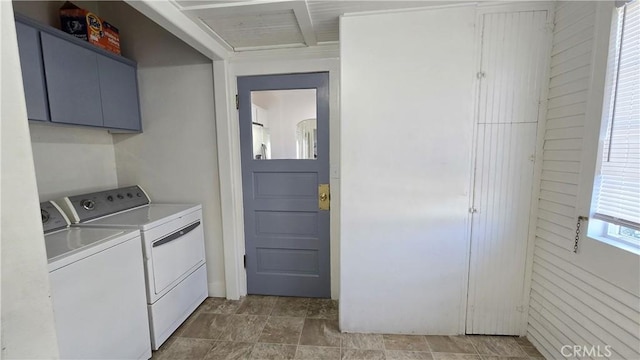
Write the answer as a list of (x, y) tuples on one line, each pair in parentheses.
[(244, 260), (481, 74), (237, 102), (473, 210)]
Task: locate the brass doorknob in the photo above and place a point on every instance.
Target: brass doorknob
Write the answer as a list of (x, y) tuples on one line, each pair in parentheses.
[(323, 196)]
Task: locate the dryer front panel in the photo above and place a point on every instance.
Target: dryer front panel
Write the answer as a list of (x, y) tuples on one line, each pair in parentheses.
[(173, 255)]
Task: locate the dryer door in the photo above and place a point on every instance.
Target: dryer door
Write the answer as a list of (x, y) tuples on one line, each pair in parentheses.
[(177, 254)]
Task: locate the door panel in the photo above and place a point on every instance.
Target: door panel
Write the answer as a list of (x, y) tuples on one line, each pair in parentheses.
[(32, 72), (119, 92), (286, 236), (513, 48), (504, 178), (72, 81), (513, 62)]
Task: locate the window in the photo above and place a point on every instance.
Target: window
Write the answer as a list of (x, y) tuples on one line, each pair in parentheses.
[(617, 190)]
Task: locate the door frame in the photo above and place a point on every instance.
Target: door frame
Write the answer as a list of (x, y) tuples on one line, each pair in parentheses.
[(537, 169), (268, 62)]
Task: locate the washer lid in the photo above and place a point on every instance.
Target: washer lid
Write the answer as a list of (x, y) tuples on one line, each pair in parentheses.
[(145, 217), (82, 241)]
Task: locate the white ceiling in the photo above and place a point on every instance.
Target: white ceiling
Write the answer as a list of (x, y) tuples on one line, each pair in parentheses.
[(243, 25)]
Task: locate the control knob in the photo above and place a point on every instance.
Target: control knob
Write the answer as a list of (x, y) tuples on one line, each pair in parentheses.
[(88, 204), (110, 198), (129, 195), (120, 196), (45, 216)]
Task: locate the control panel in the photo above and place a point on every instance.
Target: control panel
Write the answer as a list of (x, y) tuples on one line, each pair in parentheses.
[(102, 203), (52, 218)]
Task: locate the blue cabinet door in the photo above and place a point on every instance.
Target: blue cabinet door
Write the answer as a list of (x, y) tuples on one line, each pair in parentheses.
[(72, 81), (32, 72), (119, 91)]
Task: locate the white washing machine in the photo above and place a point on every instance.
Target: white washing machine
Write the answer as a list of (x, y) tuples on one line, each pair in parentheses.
[(97, 289), (172, 244)]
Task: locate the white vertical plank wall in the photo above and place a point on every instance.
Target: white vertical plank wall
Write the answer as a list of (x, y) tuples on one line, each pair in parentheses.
[(504, 178), (568, 303), (513, 63)]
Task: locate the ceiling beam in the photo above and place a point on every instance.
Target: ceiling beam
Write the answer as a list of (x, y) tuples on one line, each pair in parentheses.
[(301, 10)]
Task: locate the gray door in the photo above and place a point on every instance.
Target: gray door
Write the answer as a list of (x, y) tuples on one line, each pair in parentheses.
[(284, 140)]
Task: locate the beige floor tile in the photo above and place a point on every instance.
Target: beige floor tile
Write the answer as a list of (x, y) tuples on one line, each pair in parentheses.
[(522, 340), (245, 328), (282, 330), (273, 352), (408, 355), (405, 342), (531, 351), (186, 323), (451, 344), (317, 353), (229, 350), (220, 306), (320, 332), (357, 354), (362, 341), (206, 326), (450, 356), (323, 309), (497, 345), (185, 348), (257, 305), (291, 306)]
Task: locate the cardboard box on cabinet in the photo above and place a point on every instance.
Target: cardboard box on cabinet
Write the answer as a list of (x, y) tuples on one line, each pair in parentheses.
[(88, 26)]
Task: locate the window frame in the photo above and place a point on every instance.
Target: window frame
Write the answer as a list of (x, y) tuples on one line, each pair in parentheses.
[(605, 228)]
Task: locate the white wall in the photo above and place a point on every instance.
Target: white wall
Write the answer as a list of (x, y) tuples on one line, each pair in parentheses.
[(68, 160), (592, 297), (407, 86), (175, 158), (27, 322), (72, 160)]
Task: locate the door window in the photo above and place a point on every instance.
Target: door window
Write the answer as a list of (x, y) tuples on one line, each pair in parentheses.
[(284, 124)]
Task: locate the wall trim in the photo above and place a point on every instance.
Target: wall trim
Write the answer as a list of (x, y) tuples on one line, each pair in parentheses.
[(327, 51), (537, 172)]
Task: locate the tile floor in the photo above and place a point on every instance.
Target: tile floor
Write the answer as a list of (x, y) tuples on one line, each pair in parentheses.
[(267, 327)]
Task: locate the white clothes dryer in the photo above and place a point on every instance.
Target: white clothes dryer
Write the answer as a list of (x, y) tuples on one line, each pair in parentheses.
[(172, 243)]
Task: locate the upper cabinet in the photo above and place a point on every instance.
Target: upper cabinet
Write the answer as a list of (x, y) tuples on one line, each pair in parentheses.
[(69, 81), (119, 93), (35, 91), (72, 82)]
